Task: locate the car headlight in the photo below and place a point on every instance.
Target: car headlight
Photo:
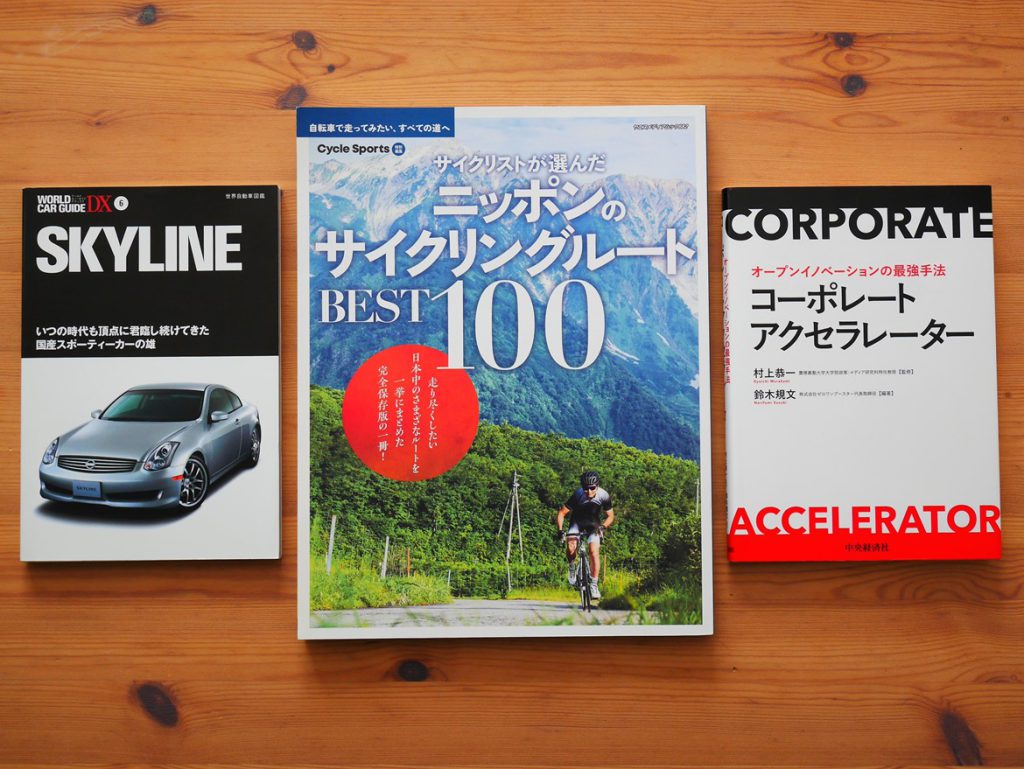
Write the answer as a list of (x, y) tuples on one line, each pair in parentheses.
[(51, 452), (161, 456)]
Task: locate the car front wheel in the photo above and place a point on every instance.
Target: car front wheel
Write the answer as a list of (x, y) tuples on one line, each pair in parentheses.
[(254, 447), (195, 482)]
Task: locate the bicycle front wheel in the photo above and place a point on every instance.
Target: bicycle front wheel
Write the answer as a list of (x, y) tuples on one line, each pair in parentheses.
[(584, 584)]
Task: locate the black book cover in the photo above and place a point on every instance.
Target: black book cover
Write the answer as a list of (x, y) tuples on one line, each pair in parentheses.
[(150, 373)]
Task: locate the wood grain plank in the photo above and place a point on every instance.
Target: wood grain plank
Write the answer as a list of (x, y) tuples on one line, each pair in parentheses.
[(220, 722), (232, 72), (523, 15)]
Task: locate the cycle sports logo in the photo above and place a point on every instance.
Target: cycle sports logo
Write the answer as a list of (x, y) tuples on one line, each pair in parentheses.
[(355, 148)]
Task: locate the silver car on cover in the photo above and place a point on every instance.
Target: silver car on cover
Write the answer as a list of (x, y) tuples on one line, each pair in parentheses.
[(155, 446)]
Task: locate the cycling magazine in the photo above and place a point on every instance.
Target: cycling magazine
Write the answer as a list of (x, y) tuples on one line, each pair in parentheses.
[(503, 372)]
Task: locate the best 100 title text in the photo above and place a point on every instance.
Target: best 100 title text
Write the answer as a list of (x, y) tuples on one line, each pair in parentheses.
[(561, 246)]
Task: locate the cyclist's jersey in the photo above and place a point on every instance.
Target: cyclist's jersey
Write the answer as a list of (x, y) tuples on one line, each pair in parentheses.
[(586, 513)]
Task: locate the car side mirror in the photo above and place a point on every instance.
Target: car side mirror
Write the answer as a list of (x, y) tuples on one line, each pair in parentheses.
[(218, 416), (96, 413)]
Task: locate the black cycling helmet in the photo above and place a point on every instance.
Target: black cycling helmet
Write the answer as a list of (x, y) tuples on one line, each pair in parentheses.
[(589, 478)]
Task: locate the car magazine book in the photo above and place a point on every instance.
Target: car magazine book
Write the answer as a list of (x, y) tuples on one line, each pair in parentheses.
[(150, 373), (503, 372), (860, 374)]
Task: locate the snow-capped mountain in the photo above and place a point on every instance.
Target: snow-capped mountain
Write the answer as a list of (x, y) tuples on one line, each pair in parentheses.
[(650, 346)]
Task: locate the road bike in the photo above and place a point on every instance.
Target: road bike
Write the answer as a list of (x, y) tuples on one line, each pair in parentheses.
[(582, 581)]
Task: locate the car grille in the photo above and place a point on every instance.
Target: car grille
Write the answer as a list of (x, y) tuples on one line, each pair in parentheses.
[(96, 464)]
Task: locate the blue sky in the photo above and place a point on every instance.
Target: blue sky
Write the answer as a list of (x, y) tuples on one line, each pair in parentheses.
[(657, 154)]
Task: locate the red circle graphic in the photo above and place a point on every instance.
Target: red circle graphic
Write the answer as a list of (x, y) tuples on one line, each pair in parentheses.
[(406, 416)]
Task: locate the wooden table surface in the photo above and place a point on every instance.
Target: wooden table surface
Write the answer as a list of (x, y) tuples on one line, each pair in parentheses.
[(197, 664)]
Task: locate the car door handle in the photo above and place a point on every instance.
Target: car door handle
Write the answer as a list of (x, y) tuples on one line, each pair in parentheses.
[(237, 421)]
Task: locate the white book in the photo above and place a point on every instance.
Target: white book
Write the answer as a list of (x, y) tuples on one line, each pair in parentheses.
[(860, 374), (494, 302)]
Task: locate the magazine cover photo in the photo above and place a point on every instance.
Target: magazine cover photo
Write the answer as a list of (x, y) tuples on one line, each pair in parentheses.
[(503, 372), (155, 459)]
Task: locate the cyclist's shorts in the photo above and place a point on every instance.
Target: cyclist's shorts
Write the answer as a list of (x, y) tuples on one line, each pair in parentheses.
[(590, 534)]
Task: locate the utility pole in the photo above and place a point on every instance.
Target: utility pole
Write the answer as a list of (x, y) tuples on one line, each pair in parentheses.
[(330, 545), (515, 523)]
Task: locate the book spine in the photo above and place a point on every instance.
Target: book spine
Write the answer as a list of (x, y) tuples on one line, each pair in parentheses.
[(727, 369)]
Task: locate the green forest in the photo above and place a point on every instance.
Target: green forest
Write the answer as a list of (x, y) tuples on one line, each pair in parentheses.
[(444, 539)]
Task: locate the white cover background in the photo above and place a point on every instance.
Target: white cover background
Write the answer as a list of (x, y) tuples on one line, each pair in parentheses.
[(241, 517), (935, 441)]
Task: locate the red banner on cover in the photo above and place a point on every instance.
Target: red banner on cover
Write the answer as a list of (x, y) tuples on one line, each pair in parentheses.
[(846, 546)]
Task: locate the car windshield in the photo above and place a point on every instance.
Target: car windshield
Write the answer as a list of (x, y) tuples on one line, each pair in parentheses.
[(156, 406)]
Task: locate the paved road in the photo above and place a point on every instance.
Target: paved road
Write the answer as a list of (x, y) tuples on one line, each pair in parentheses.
[(471, 612)]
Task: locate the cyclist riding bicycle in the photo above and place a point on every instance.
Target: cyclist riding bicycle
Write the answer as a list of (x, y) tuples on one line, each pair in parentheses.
[(585, 509)]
